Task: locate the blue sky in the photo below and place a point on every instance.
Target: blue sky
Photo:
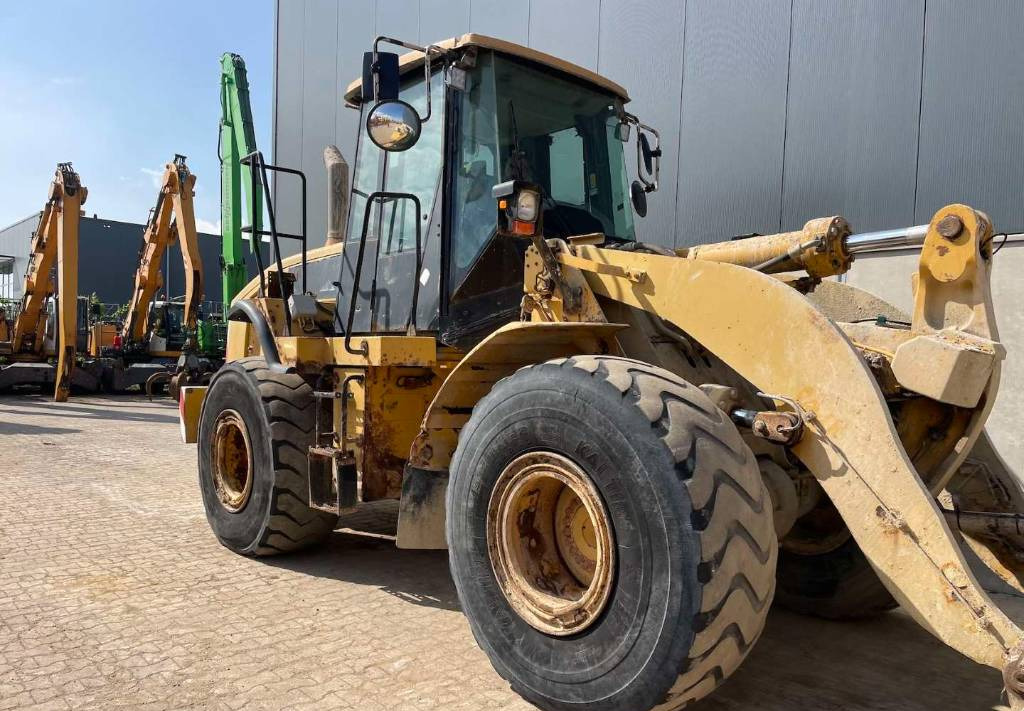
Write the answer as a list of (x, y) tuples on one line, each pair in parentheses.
[(117, 88)]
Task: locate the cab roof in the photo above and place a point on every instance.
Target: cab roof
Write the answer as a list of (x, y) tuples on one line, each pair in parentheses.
[(412, 60)]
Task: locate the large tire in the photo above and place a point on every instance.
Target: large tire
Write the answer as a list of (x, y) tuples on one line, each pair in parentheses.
[(273, 415), (837, 585), (695, 548)]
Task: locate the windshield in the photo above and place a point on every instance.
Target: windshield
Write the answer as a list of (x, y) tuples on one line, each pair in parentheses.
[(521, 122)]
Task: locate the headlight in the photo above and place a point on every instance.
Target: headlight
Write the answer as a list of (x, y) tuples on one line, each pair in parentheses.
[(527, 203)]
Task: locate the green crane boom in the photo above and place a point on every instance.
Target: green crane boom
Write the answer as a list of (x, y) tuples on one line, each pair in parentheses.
[(237, 140)]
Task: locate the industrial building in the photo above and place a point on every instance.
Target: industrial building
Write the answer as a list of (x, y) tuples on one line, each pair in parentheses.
[(771, 112), (108, 258)]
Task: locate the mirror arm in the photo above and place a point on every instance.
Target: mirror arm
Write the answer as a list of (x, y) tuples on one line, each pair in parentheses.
[(427, 71), (408, 45), (656, 153), (650, 183)]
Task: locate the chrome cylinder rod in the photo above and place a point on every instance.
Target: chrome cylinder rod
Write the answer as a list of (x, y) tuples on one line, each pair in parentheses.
[(886, 239)]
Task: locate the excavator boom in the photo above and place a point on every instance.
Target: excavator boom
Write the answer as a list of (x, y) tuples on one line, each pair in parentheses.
[(173, 202), (54, 244), (237, 140)]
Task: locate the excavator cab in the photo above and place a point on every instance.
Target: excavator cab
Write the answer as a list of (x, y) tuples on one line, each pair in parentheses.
[(423, 214), (167, 333)]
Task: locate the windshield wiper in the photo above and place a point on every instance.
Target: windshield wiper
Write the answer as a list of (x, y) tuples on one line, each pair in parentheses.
[(518, 167)]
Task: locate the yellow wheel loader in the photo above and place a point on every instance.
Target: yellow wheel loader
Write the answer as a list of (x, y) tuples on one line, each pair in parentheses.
[(628, 451)]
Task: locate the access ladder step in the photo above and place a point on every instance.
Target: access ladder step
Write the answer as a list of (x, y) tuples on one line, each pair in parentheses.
[(333, 480), (334, 453)]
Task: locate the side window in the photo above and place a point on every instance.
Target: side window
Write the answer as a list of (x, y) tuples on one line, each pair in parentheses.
[(365, 181), (478, 170), (415, 171), (566, 156)]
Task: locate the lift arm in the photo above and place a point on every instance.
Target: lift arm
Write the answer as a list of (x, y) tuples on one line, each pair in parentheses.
[(237, 139), (173, 201), (780, 342), (55, 242)]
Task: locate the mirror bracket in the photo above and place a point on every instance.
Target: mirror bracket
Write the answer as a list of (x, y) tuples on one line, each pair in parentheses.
[(648, 159)]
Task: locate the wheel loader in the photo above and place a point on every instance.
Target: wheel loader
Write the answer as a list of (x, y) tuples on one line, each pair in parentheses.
[(628, 451)]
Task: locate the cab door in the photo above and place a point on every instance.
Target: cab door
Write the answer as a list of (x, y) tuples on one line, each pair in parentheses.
[(389, 273)]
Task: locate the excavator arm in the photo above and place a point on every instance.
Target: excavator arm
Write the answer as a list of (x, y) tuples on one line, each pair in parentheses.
[(54, 243), (174, 202), (237, 140)]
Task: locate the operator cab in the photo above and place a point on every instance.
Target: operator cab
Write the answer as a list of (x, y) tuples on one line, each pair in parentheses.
[(446, 126), (166, 332)]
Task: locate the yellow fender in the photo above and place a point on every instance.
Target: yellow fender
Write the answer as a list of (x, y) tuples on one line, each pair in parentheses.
[(422, 506)]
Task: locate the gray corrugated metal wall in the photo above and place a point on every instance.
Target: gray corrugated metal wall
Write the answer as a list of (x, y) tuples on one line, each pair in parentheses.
[(14, 242), (771, 111), (108, 254)]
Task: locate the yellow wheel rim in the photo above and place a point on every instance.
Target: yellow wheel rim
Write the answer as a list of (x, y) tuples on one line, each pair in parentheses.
[(551, 544), (232, 461)]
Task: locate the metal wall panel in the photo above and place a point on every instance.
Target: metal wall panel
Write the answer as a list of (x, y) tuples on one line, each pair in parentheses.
[(641, 47), (851, 129), (441, 19), (15, 241), (356, 19), (399, 19), (499, 18), (743, 150), (733, 118), (320, 101), (566, 28), (108, 255), (289, 104), (972, 145)]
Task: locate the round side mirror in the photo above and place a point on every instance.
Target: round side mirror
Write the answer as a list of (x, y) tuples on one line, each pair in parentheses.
[(646, 152), (393, 126), (639, 197)]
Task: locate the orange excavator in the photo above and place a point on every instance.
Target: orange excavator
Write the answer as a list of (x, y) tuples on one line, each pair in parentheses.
[(35, 339), (158, 339)]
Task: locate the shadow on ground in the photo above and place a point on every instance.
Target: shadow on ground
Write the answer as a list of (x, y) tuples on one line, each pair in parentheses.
[(800, 663), (23, 428), (109, 408), (363, 552)]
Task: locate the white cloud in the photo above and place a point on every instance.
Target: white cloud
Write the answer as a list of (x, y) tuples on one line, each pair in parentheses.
[(157, 176), (212, 228)]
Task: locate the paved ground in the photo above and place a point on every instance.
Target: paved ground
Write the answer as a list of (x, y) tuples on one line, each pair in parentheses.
[(114, 594)]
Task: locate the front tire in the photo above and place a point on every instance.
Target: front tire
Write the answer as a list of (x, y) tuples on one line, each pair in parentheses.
[(692, 573), (254, 432)]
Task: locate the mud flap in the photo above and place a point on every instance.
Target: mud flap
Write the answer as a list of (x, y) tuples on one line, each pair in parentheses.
[(421, 510)]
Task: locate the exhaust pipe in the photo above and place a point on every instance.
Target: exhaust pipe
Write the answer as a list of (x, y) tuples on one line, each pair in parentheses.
[(337, 194)]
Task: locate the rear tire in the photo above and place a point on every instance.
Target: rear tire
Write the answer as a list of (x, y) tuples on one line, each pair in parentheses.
[(254, 431), (838, 585), (694, 542)]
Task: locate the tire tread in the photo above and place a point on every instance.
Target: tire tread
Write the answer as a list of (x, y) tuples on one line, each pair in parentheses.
[(738, 543), (288, 403)]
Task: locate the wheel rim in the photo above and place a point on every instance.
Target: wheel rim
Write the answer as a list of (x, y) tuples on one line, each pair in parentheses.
[(232, 461), (551, 543)]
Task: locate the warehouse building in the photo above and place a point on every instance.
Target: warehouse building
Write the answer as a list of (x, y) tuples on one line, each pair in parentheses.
[(108, 254), (771, 112)]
